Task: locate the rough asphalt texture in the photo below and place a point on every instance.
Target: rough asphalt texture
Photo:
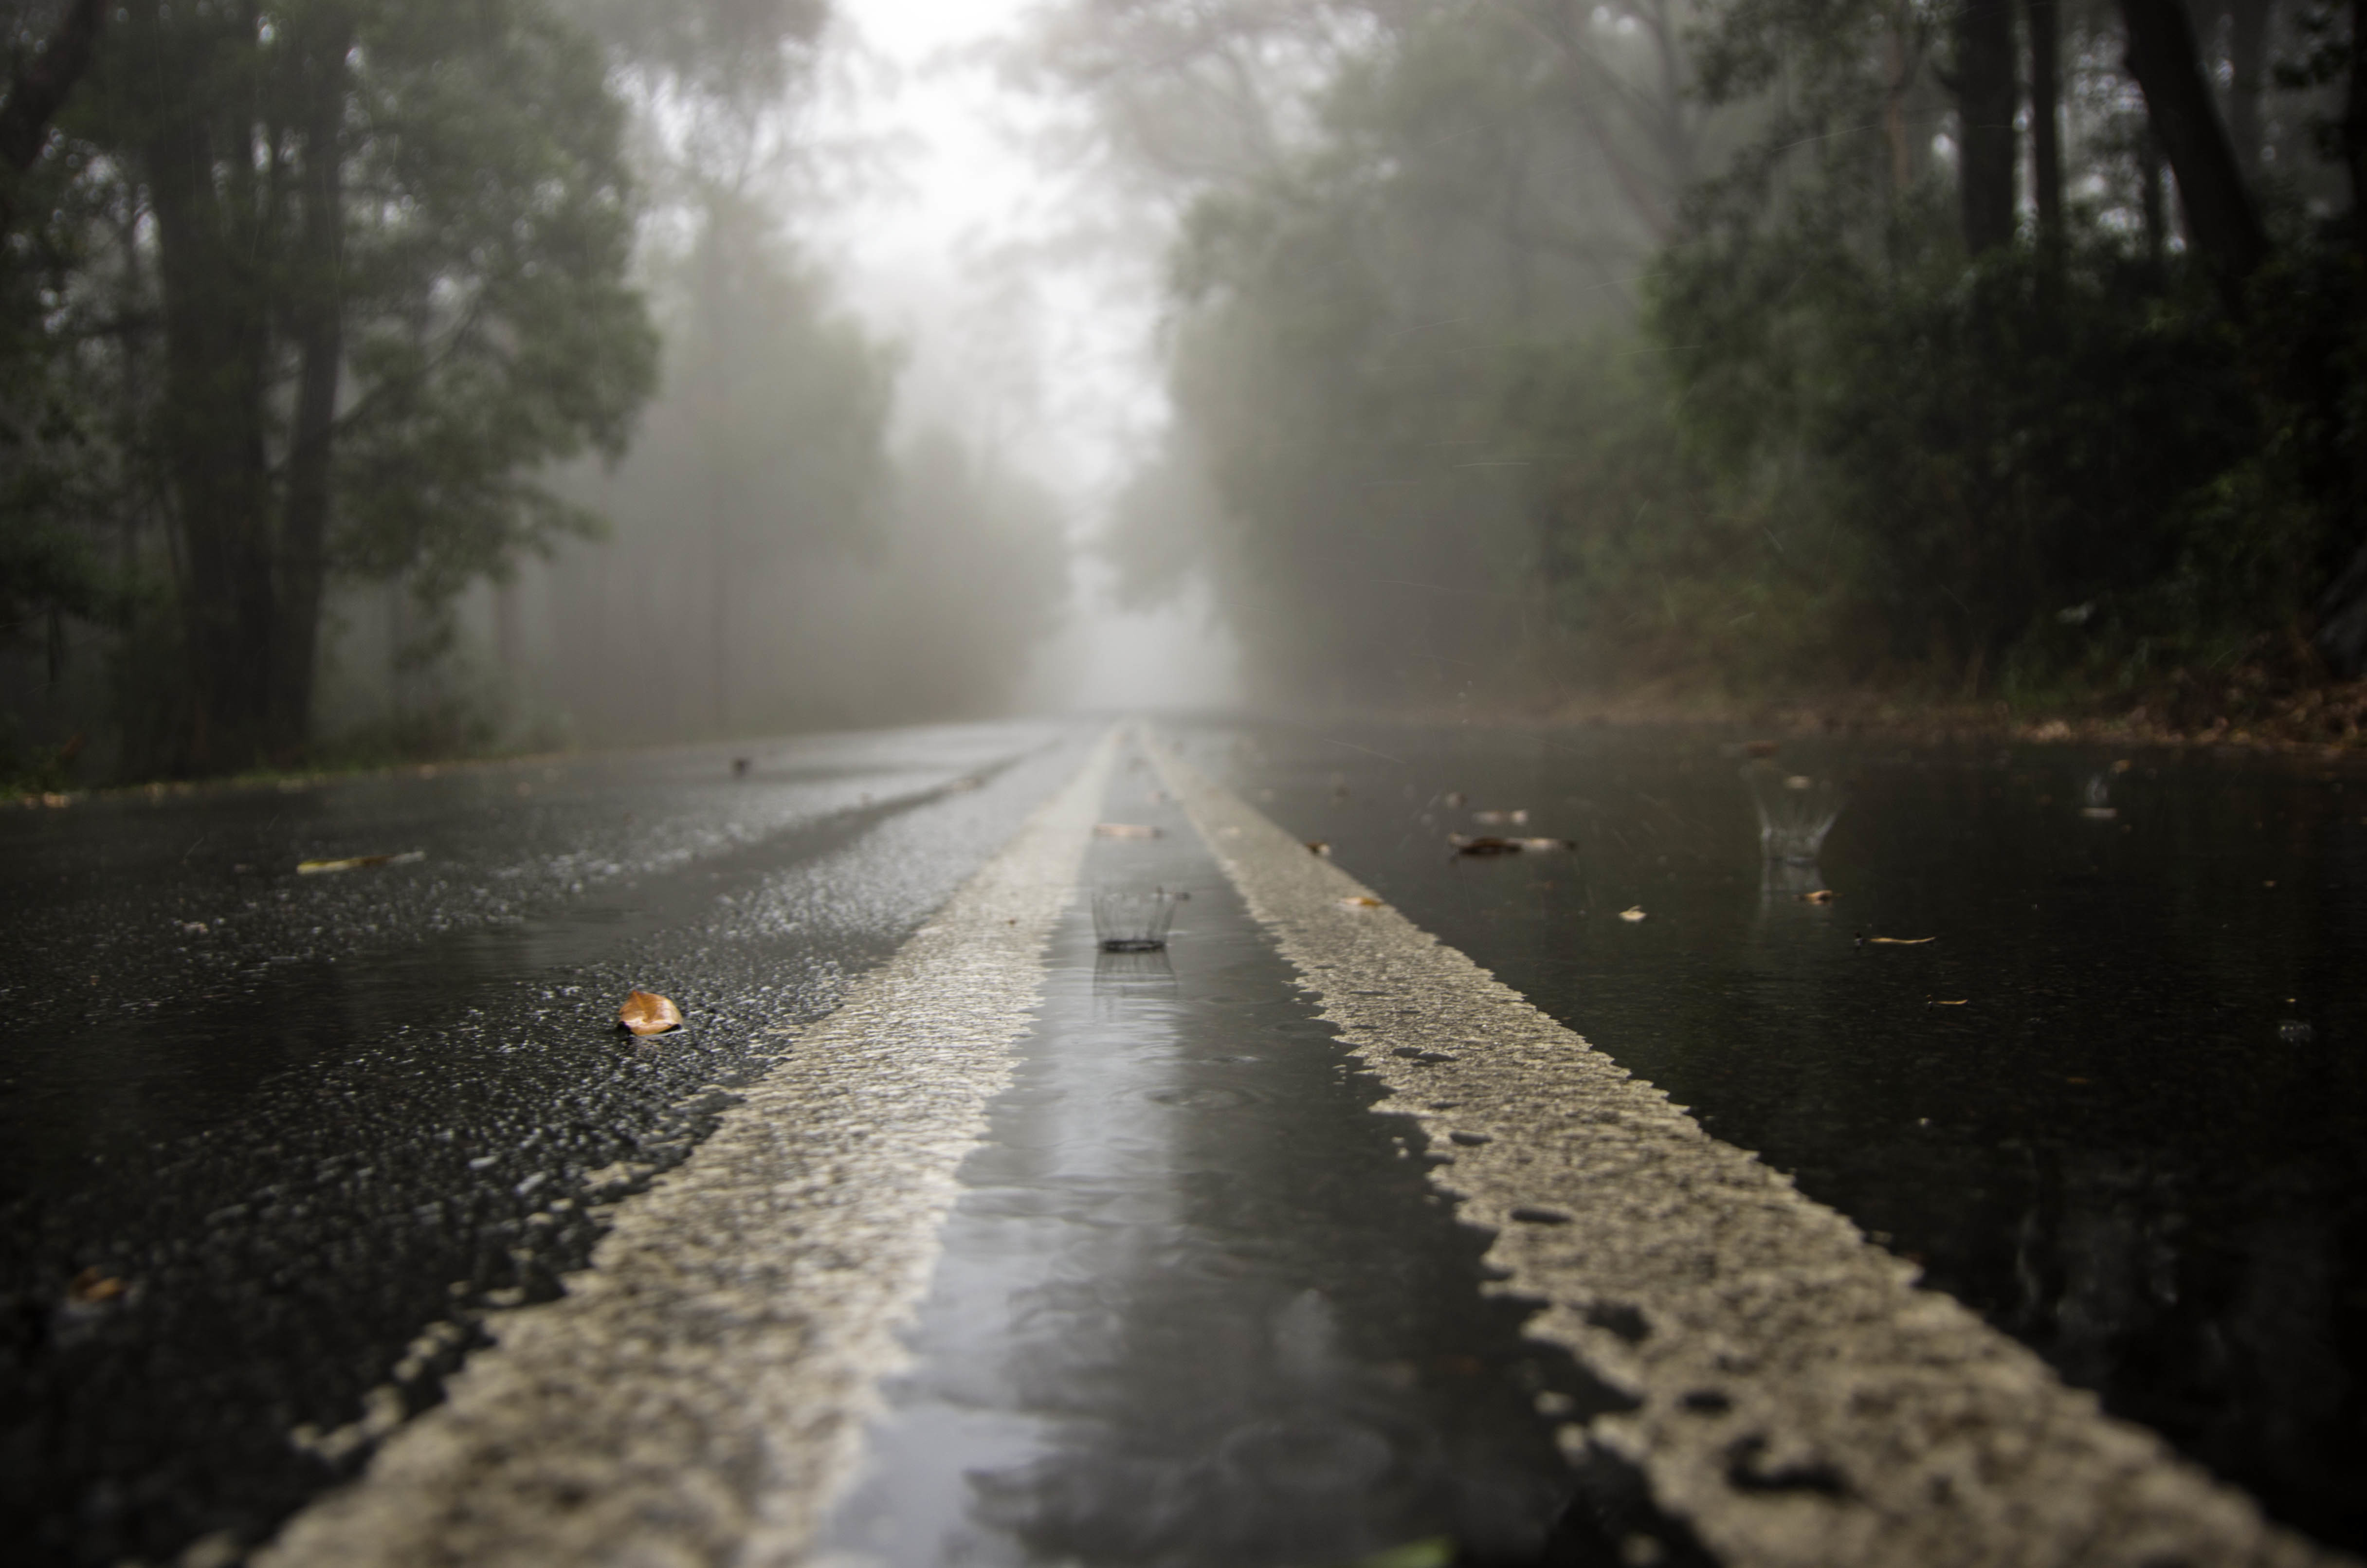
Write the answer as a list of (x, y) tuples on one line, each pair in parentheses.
[(696, 1395), (1799, 1402)]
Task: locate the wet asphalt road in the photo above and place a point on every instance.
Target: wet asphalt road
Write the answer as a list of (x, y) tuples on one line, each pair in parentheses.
[(310, 1125), (314, 1125), (2118, 1105)]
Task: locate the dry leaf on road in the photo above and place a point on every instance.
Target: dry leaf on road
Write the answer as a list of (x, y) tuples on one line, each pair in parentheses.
[(646, 1012), (355, 863)]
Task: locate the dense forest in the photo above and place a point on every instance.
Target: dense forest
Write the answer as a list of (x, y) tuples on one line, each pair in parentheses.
[(1958, 351), (396, 377), (390, 377)]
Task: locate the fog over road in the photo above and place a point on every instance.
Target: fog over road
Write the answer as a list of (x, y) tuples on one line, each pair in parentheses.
[(282, 1153)]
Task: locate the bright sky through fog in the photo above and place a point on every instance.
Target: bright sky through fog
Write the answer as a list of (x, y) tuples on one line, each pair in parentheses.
[(962, 244)]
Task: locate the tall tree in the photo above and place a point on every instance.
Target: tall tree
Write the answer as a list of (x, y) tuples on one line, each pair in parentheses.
[(2220, 213), (390, 242), (2249, 22), (1987, 97), (2046, 24)]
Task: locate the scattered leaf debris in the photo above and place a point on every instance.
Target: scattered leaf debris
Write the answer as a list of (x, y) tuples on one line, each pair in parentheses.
[(1634, 913), (1947, 1001), (1822, 895), (1361, 901), (95, 1286), (1897, 941), (1319, 846), (1125, 830), (1485, 844), (355, 863), (646, 1012)]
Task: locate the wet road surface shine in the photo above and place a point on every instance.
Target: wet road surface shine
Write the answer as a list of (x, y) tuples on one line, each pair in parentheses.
[(1198, 1304), (315, 1180), (1795, 1401), (2139, 1145), (695, 1395)]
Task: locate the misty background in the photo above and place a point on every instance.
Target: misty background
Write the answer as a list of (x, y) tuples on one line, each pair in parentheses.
[(392, 379)]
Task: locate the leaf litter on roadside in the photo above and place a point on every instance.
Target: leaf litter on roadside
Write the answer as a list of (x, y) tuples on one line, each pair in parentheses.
[(646, 1013)]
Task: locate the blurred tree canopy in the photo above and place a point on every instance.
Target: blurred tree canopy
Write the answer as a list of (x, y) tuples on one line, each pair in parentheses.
[(319, 316), (1972, 347)]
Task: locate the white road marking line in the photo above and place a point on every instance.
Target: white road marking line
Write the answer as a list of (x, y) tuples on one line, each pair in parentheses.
[(700, 1395), (1802, 1403)]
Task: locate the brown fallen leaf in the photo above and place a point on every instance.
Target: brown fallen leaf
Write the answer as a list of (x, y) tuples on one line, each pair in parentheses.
[(1124, 830), (1634, 915), (1898, 942), (1822, 895), (1360, 900), (92, 1286), (1318, 846), (646, 1012), (1947, 1001), (1486, 844), (355, 863)]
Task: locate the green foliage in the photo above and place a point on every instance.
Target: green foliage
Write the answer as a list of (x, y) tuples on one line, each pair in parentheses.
[(490, 326), (313, 291), (2018, 454)]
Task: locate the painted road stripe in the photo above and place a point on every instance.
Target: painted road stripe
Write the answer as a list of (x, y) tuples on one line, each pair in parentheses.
[(700, 1395), (1800, 1402)]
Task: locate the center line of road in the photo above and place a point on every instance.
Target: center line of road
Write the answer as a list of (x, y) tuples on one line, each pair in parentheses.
[(700, 1394), (1799, 1400)]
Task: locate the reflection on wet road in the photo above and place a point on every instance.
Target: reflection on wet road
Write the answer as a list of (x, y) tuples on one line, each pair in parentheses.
[(2118, 1105), (1198, 1305)]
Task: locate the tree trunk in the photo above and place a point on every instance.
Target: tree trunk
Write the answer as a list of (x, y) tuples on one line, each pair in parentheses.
[(317, 320), (2046, 122), (211, 429), (2354, 124), (2152, 204), (1985, 99), (1898, 74), (2163, 57), (2248, 59)]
